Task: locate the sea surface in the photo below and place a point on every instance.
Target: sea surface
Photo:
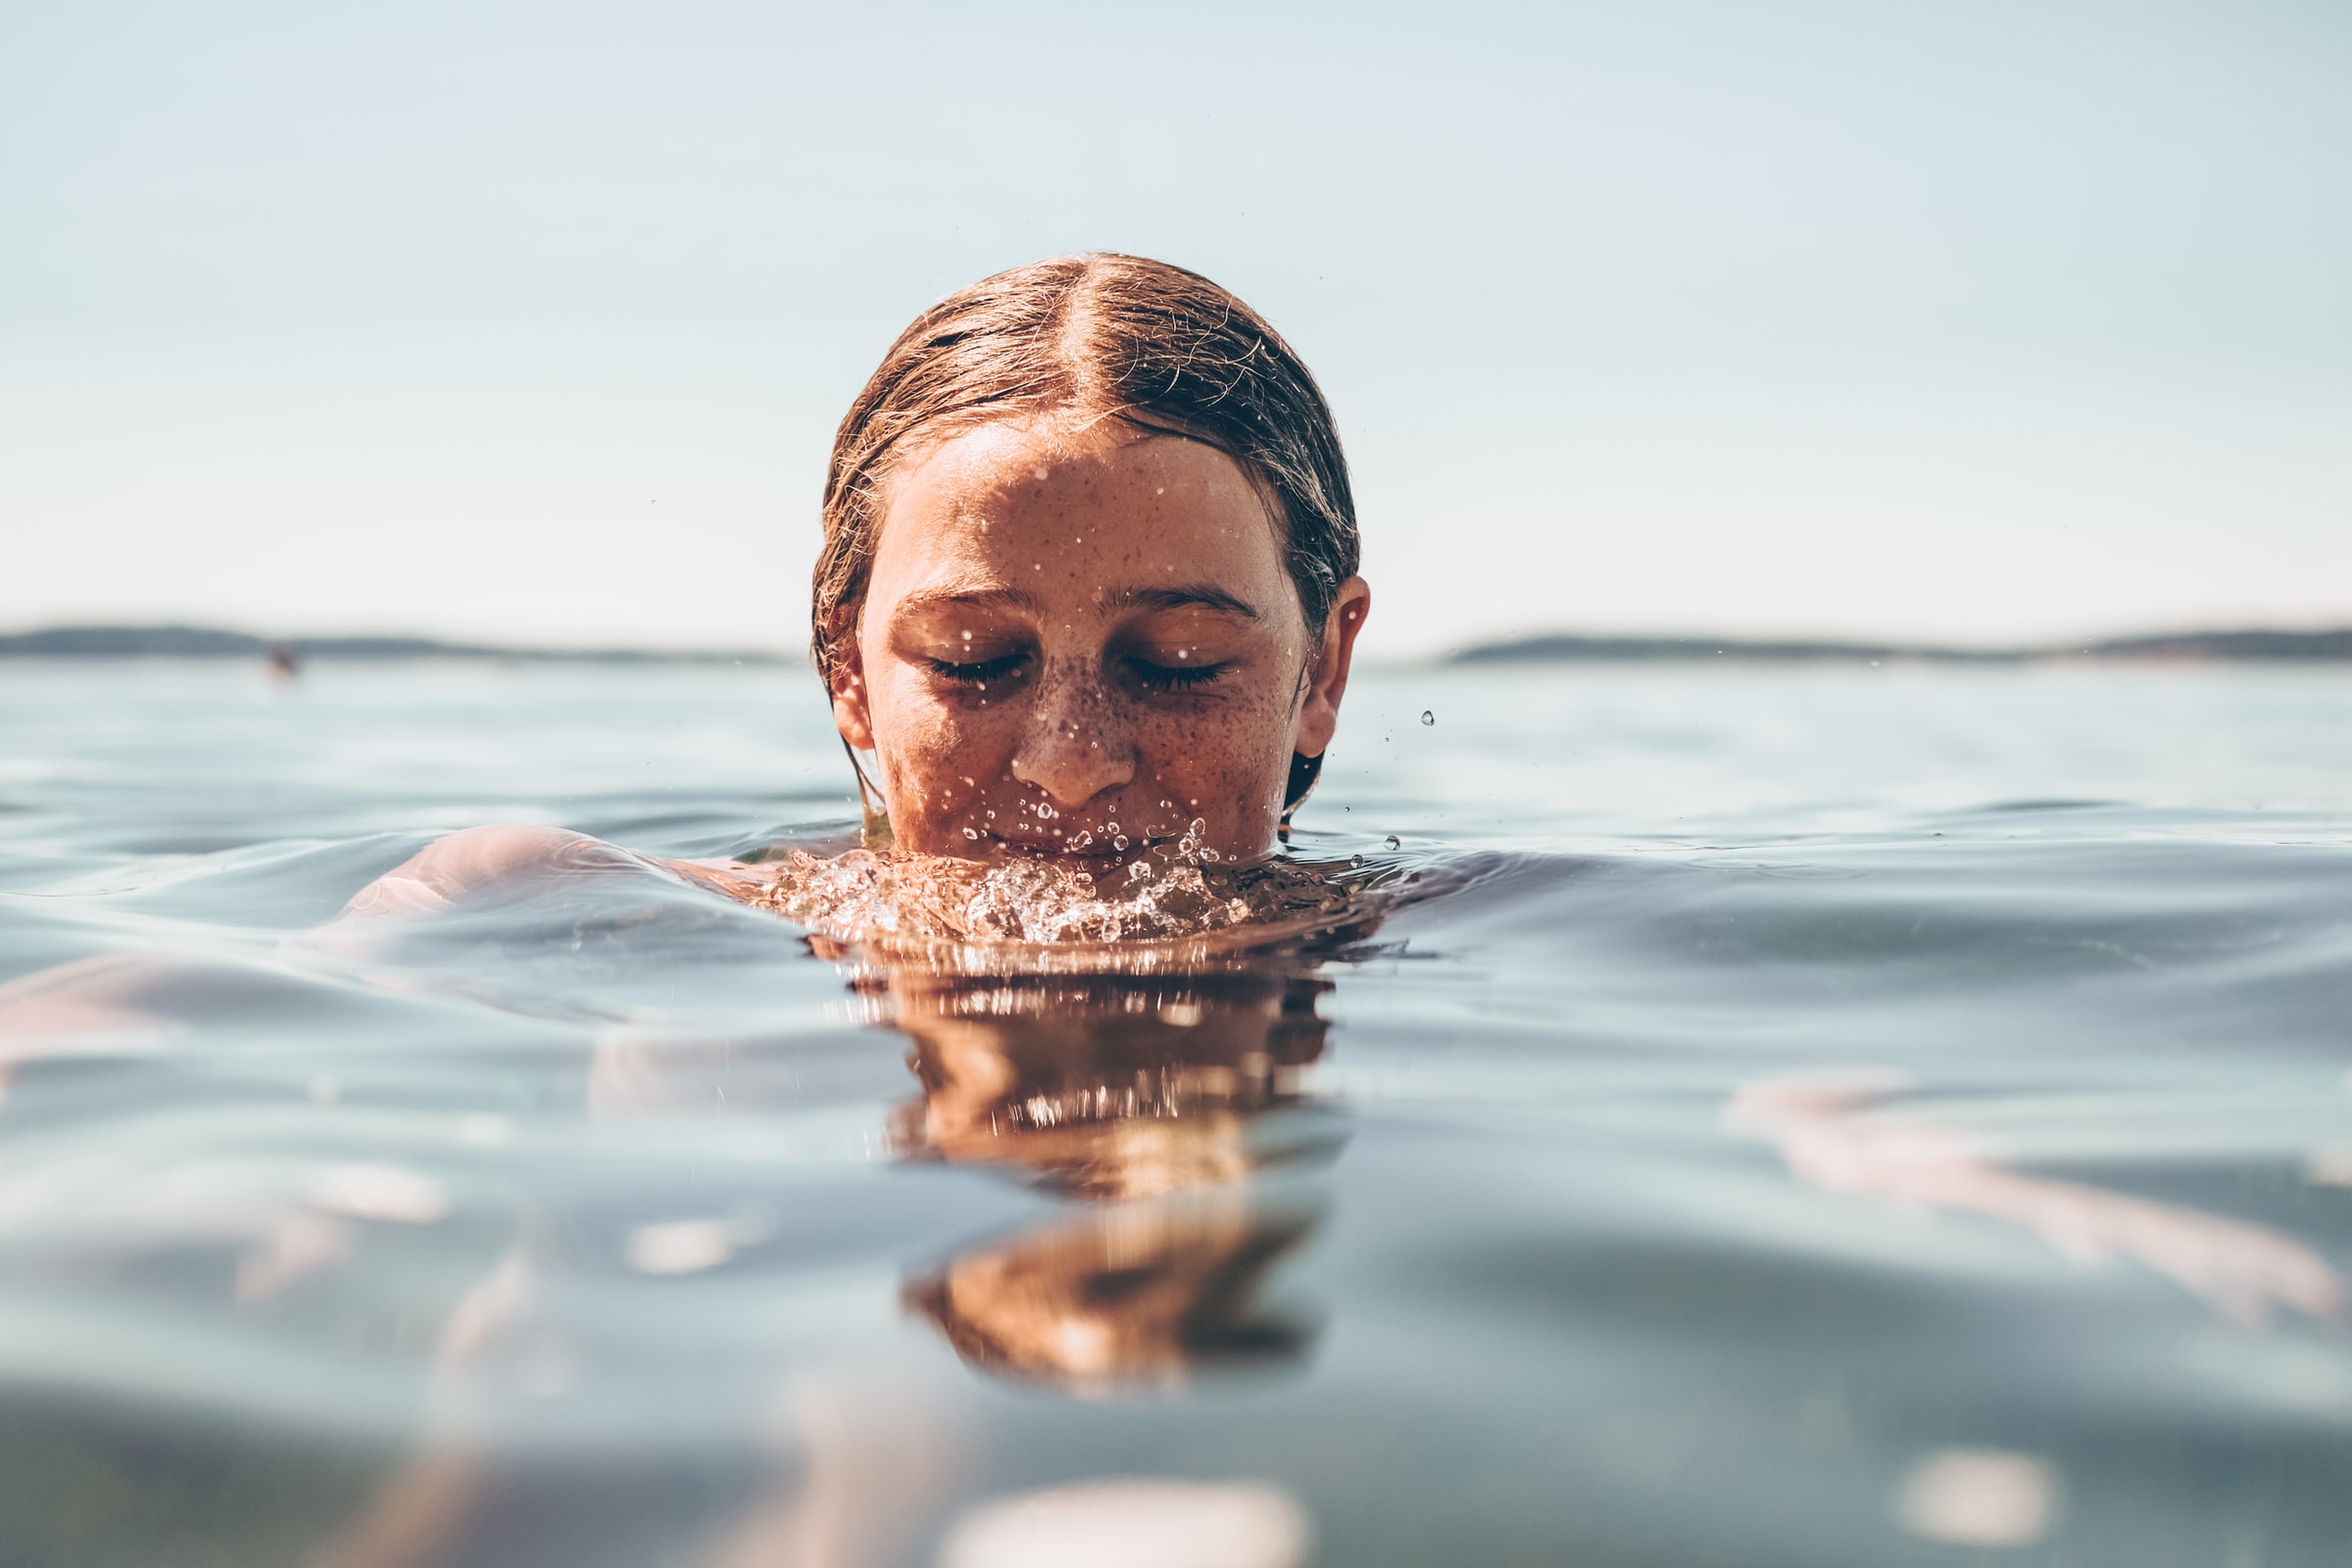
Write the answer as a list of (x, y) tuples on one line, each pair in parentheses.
[(1807, 1117)]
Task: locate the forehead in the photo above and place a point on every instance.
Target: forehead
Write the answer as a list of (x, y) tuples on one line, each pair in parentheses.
[(1040, 500)]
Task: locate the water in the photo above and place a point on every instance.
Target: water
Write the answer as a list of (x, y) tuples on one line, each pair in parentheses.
[(1805, 1117)]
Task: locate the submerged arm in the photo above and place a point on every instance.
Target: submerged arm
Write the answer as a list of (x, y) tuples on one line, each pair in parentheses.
[(117, 1004)]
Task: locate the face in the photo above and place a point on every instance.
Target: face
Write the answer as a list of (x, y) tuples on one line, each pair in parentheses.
[(1074, 636)]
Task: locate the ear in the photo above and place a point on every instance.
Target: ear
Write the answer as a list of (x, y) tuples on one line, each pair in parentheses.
[(1327, 674), (851, 713)]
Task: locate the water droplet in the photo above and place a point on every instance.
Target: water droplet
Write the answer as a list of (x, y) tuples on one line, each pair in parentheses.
[(1355, 859), (972, 833), (1428, 718), (1119, 841), (1393, 842)]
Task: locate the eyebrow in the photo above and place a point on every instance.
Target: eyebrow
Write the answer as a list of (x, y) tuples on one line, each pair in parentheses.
[(1183, 597), (1180, 598), (973, 597)]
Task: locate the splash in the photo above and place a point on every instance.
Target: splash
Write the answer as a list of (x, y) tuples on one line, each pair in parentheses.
[(1172, 891)]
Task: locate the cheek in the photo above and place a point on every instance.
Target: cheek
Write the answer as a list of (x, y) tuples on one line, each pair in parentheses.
[(1226, 756), (927, 739)]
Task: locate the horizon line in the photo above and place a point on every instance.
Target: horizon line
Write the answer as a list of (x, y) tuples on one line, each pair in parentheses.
[(183, 640)]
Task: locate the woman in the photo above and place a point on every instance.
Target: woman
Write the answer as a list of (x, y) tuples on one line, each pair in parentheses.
[(1090, 569)]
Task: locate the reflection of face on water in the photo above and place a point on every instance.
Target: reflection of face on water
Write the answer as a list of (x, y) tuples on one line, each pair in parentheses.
[(1107, 1087), (1154, 1095), (1123, 1297)]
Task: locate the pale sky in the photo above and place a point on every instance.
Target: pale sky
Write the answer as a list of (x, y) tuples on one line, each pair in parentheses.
[(531, 322)]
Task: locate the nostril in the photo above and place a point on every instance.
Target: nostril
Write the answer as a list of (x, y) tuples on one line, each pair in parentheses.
[(1074, 776)]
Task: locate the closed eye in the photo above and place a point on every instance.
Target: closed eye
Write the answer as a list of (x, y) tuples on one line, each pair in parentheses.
[(1173, 678), (987, 670)]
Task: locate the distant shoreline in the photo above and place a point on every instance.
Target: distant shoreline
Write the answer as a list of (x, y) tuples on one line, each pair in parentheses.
[(209, 642), (213, 643), (2200, 647)]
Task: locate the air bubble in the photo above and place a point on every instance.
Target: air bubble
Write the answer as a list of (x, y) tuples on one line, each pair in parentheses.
[(972, 833), (1428, 718), (1393, 842)]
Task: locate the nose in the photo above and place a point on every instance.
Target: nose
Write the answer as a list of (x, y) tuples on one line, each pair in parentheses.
[(1077, 745)]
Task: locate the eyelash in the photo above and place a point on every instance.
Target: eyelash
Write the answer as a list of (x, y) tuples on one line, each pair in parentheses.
[(973, 674), (1173, 678), (1166, 678)]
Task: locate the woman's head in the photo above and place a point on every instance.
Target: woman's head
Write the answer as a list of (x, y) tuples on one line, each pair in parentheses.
[(1090, 560)]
